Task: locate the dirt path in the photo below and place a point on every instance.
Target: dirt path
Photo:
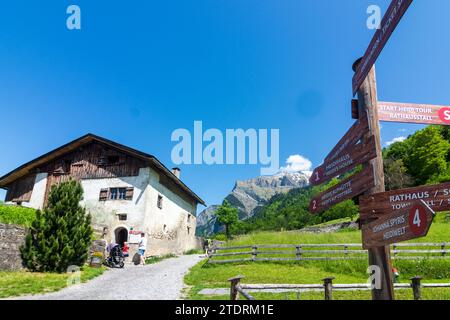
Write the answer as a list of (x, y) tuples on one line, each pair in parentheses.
[(159, 281)]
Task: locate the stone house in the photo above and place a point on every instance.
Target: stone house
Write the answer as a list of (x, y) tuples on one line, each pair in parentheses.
[(125, 190)]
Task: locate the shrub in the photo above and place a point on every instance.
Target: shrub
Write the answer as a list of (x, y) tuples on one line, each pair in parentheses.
[(61, 235)]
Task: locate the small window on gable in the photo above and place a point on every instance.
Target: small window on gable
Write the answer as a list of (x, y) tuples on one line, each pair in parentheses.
[(188, 218), (160, 201), (188, 230), (122, 217), (113, 160)]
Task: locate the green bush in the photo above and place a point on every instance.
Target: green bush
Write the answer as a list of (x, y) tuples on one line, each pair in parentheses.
[(61, 235), (17, 215)]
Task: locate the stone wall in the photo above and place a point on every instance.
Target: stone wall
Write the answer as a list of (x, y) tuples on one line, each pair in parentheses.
[(11, 238)]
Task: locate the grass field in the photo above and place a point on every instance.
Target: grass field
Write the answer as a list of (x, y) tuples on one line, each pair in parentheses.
[(17, 283), (17, 215), (312, 272)]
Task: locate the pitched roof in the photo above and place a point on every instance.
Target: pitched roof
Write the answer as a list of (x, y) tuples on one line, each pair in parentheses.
[(88, 138)]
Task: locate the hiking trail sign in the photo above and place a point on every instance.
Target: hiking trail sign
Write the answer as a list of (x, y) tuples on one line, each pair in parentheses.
[(348, 159), (351, 137), (388, 24), (346, 189), (413, 113), (406, 224), (385, 203)]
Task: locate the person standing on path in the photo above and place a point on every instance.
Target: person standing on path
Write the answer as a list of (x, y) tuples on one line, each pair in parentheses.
[(142, 247)]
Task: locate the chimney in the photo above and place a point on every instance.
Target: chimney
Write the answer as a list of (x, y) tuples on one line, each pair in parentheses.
[(176, 171)]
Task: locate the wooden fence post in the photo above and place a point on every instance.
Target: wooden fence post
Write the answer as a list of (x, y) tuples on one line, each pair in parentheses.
[(443, 249), (328, 286), (234, 294), (254, 253), (298, 253), (415, 283)]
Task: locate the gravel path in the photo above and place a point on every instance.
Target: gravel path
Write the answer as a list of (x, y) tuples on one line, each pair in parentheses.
[(159, 281)]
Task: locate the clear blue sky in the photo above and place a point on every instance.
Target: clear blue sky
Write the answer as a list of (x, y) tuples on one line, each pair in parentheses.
[(140, 69)]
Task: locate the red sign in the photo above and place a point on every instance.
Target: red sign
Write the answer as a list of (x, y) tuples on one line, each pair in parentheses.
[(347, 189), (380, 204), (355, 134), (348, 160), (390, 21), (413, 113), (406, 224)]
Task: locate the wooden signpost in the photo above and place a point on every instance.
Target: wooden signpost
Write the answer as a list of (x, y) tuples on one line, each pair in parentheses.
[(353, 136), (381, 204), (388, 24), (348, 160), (413, 113), (406, 224), (347, 189)]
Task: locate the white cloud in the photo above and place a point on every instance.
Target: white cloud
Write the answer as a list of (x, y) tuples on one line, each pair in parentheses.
[(296, 162), (398, 139), (402, 130)]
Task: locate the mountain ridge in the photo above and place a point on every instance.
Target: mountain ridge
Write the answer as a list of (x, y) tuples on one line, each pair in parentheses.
[(249, 196)]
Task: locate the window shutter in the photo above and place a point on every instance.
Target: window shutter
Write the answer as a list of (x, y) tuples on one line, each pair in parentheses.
[(103, 195), (129, 193)]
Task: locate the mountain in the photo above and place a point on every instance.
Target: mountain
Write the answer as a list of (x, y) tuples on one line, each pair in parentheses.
[(250, 196)]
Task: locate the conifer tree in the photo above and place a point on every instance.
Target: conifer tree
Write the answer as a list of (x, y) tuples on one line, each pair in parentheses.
[(61, 234)]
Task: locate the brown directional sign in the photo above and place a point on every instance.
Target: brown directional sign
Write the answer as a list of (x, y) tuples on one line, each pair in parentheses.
[(406, 224), (388, 24), (356, 132), (348, 160), (347, 189), (413, 113), (380, 204)]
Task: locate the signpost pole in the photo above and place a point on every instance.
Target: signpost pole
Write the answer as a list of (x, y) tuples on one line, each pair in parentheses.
[(379, 256)]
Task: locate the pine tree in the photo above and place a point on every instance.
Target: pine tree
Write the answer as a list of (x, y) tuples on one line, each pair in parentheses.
[(61, 234)]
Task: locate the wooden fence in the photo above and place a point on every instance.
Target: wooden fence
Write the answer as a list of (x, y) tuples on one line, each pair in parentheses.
[(305, 252), (327, 286)]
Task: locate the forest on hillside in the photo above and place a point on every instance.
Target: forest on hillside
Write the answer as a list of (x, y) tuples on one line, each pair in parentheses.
[(423, 158)]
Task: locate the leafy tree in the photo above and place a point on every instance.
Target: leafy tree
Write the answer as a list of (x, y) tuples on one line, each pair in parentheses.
[(61, 234), (227, 215), (395, 175), (428, 155)]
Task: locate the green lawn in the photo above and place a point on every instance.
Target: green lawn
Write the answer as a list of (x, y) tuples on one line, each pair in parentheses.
[(17, 283), (17, 215), (312, 272)]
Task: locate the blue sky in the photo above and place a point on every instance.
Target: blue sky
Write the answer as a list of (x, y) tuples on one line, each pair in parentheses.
[(139, 70)]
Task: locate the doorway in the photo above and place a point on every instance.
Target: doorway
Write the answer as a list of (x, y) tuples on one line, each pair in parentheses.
[(121, 236)]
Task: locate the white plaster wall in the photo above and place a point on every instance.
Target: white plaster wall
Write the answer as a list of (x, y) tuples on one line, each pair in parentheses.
[(38, 194), (167, 227), (105, 213)]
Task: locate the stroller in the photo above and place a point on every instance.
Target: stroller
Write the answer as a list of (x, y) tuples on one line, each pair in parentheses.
[(115, 258)]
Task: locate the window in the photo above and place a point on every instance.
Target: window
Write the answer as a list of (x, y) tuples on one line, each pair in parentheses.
[(188, 218), (116, 194), (112, 160), (122, 217), (188, 230), (160, 201)]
